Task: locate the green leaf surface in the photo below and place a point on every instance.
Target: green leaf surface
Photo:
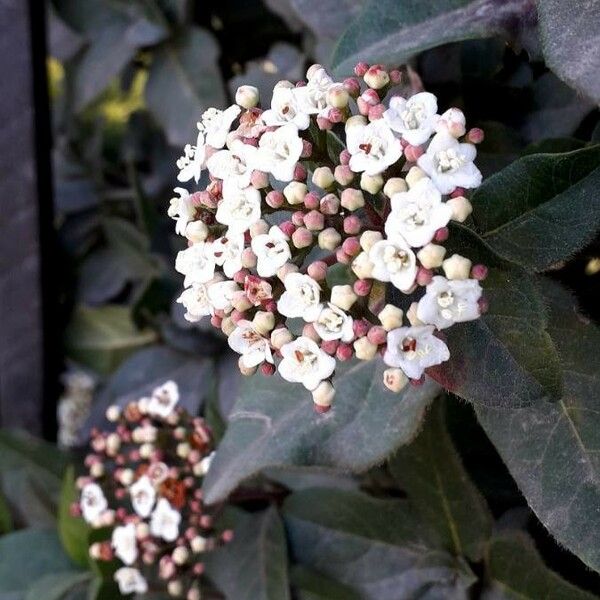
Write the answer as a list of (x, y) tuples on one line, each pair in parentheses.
[(274, 424), (391, 31), (542, 208), (569, 35), (553, 449), (309, 585), (431, 472), (254, 565), (184, 81), (516, 572), (378, 547), (6, 520), (101, 338), (70, 585)]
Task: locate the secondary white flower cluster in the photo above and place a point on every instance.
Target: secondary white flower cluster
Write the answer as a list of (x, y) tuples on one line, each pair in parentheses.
[(333, 173), (144, 486), (74, 406)]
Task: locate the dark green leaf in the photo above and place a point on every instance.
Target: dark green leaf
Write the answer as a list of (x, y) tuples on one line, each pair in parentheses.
[(378, 547), (553, 450), (310, 585), (569, 41), (274, 424), (101, 338), (431, 472), (184, 81), (334, 147), (516, 572), (254, 565), (59, 586), (391, 31), (6, 520), (554, 146), (73, 531), (542, 208)]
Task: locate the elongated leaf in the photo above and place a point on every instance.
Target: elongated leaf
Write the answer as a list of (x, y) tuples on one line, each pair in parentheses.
[(553, 450), (254, 565), (570, 43), (431, 472), (542, 208), (60, 586), (391, 31), (309, 585), (101, 338), (274, 424), (184, 81), (6, 520), (378, 547), (517, 572)]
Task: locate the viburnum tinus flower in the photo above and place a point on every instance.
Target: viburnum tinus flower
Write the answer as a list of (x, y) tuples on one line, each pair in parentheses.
[(363, 175), (142, 494)]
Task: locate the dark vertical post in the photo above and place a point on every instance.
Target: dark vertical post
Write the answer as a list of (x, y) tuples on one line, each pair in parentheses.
[(25, 214)]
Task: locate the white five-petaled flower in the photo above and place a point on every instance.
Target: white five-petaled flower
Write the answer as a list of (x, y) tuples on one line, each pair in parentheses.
[(196, 301), (373, 147), (334, 324), (221, 294), (165, 520), (181, 208), (450, 163), (164, 399), (248, 342), (413, 349), (216, 124), (239, 208), (93, 502), (125, 543), (197, 263), (192, 162), (394, 261), (301, 297), (312, 97), (417, 214), (414, 119), (304, 362), (227, 251), (272, 251), (143, 496), (235, 165), (130, 581), (279, 151), (447, 302), (285, 108)]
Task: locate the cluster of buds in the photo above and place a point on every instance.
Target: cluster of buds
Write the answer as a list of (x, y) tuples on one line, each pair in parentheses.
[(281, 209), (143, 491)]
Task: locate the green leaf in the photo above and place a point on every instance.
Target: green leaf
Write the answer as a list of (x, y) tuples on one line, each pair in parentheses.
[(431, 472), (378, 547), (101, 338), (516, 572), (73, 531), (334, 147), (505, 358), (569, 42), (391, 31), (542, 208), (59, 586), (553, 450), (310, 585), (254, 565), (6, 520), (274, 424), (29, 554), (184, 81)]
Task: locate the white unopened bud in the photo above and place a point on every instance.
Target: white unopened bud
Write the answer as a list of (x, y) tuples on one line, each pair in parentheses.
[(142, 531), (263, 322), (355, 120), (364, 349), (113, 413), (343, 296), (431, 256), (323, 394), (323, 177), (183, 450), (362, 266), (394, 380), (196, 231), (280, 337), (175, 588), (369, 238), (329, 239), (394, 185), (371, 183), (113, 444), (457, 267), (259, 228), (198, 544), (97, 470), (126, 477), (312, 70), (240, 301), (337, 96), (180, 555), (295, 191), (411, 315), (461, 208), (283, 272), (414, 174), (247, 96), (376, 77), (244, 370), (390, 317), (95, 551), (227, 326), (352, 199)]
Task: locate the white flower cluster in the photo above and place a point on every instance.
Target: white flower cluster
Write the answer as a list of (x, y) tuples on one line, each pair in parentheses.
[(279, 211)]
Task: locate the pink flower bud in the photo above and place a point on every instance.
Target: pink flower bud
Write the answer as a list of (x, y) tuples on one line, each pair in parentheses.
[(377, 335), (248, 258), (237, 316), (483, 304), (363, 106), (457, 192), (360, 327), (335, 115), (288, 228), (329, 204), (362, 287), (441, 235), (267, 369), (330, 346), (343, 352), (259, 179), (479, 272), (311, 201), (342, 257), (417, 382), (360, 69), (475, 135), (314, 220), (351, 246), (302, 238), (309, 331), (240, 276), (275, 199), (216, 321), (324, 124), (371, 97), (412, 153), (424, 276), (307, 149), (317, 270), (343, 174), (352, 86), (395, 76), (376, 112), (345, 157), (299, 172), (298, 218), (207, 199), (270, 305), (352, 225)]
